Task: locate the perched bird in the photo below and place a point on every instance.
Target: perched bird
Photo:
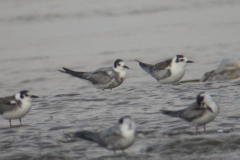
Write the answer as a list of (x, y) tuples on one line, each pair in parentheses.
[(199, 113), (169, 71), (228, 69), (103, 78), (17, 106), (118, 137)]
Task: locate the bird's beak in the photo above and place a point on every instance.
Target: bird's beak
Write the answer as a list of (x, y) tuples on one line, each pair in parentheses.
[(210, 109), (126, 67), (32, 96), (189, 61)]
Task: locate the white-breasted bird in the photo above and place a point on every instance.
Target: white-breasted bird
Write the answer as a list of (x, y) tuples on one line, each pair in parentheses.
[(199, 113), (169, 71), (118, 137), (17, 106), (103, 78)]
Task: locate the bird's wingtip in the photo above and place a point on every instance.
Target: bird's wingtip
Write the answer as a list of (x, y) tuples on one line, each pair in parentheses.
[(62, 71), (86, 135), (170, 113), (163, 111)]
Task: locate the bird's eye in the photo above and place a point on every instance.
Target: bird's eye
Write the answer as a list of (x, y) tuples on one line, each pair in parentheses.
[(120, 121), (181, 60), (202, 103)]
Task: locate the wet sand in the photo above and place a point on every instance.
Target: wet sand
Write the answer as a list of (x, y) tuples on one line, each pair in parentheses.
[(39, 37)]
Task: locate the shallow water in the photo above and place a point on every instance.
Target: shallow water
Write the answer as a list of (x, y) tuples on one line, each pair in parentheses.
[(39, 37)]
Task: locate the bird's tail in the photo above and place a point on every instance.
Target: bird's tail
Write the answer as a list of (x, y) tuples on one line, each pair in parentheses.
[(145, 67), (73, 73), (171, 113), (90, 136)]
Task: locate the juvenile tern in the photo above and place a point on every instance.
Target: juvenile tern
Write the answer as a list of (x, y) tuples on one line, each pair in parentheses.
[(118, 137), (17, 106), (169, 71), (199, 113), (103, 78)]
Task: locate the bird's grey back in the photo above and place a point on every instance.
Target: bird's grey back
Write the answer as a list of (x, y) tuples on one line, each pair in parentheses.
[(162, 65), (101, 75), (104, 69), (108, 136), (103, 138), (192, 112)]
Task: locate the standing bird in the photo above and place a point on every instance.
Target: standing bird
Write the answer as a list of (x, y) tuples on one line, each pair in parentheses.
[(103, 78), (199, 113), (17, 106), (118, 137), (169, 71)]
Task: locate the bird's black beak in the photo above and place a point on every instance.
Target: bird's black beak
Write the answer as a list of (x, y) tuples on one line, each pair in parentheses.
[(32, 96), (189, 61), (126, 67), (210, 109)]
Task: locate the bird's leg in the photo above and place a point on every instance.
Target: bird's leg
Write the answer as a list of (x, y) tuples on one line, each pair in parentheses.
[(20, 121), (205, 128), (114, 151), (196, 128), (10, 122), (123, 151)]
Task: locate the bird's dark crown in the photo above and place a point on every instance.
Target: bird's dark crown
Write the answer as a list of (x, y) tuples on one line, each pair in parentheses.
[(179, 58), (200, 98), (122, 119), (116, 63), (23, 93)]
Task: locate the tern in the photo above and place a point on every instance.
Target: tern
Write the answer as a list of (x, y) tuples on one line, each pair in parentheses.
[(169, 71), (118, 137), (17, 106), (199, 113), (103, 78)]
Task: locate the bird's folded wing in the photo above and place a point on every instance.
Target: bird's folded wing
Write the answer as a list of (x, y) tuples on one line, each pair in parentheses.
[(192, 112), (159, 71), (100, 77), (7, 104), (109, 136), (161, 74)]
